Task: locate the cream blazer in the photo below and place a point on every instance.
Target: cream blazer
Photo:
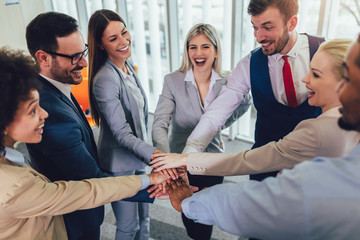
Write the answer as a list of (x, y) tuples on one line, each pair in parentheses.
[(31, 206), (311, 138)]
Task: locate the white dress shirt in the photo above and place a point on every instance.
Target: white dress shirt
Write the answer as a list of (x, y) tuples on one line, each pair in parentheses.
[(139, 98), (14, 156), (239, 84), (318, 199), (189, 77), (63, 87)]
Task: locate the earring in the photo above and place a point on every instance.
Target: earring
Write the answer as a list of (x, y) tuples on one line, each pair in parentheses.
[(5, 133)]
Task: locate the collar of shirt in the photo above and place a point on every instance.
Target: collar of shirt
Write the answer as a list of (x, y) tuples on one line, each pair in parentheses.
[(189, 77), (123, 75), (14, 156), (63, 87), (332, 112), (295, 49)]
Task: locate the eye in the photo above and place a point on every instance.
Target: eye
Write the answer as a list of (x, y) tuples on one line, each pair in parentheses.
[(124, 32), (268, 28), (33, 111), (345, 76), (192, 47), (255, 28), (77, 56), (315, 75), (112, 39), (206, 47)]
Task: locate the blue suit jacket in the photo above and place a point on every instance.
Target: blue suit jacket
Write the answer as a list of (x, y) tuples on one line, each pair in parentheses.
[(68, 152)]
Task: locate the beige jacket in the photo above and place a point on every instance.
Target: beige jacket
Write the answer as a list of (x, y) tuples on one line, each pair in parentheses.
[(31, 206), (311, 138)]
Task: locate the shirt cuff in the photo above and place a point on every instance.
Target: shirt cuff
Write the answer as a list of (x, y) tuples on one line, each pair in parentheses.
[(194, 209), (145, 181)]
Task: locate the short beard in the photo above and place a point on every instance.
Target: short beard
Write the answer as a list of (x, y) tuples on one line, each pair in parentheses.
[(280, 44), (60, 75), (346, 126)]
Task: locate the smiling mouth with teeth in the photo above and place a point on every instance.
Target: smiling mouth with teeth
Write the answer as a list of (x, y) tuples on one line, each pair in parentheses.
[(266, 44), (200, 62), (310, 92), (123, 49), (40, 129)]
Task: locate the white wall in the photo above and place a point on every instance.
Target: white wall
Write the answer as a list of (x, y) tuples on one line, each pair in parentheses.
[(14, 19)]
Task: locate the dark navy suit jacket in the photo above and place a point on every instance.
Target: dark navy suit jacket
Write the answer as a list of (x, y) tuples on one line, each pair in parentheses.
[(68, 152)]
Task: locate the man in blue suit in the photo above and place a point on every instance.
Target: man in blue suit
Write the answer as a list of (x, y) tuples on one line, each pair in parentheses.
[(68, 150)]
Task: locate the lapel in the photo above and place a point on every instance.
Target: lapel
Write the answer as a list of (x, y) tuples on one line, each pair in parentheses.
[(141, 89), (218, 86), (194, 97), (133, 105), (67, 101), (194, 94)]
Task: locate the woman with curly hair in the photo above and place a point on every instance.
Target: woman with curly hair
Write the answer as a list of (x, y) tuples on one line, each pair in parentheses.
[(30, 205)]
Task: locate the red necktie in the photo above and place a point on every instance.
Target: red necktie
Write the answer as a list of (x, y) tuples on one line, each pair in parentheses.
[(289, 84)]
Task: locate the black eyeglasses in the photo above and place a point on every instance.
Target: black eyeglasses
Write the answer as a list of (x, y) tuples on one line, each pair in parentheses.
[(75, 58)]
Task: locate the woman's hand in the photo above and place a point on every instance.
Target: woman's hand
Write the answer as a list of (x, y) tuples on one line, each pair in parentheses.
[(157, 178), (163, 161)]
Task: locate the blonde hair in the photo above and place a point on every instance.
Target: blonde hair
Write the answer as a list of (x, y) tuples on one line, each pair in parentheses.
[(336, 49), (208, 31)]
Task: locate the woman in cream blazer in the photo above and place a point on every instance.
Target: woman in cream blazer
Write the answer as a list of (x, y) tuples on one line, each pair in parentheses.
[(313, 137), (186, 95)]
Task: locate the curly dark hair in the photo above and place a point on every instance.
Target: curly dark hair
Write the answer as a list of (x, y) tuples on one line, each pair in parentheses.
[(17, 74)]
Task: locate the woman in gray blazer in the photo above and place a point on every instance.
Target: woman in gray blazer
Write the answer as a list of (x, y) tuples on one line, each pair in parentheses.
[(118, 104), (321, 136), (186, 95)]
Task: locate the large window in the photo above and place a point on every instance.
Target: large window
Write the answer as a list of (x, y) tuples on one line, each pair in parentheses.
[(159, 27)]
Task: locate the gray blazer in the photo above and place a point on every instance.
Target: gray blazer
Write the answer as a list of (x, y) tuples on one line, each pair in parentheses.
[(179, 104), (121, 145)]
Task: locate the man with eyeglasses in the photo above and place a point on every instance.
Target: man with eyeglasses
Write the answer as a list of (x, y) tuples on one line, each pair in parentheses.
[(67, 150)]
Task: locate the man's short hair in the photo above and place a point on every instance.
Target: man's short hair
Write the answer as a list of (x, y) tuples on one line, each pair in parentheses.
[(287, 8), (42, 31)]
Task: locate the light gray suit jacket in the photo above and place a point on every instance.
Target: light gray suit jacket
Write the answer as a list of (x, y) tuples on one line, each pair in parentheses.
[(317, 137), (179, 104), (121, 145)]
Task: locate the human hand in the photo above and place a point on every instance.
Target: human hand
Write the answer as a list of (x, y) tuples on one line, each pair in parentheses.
[(170, 172), (178, 190), (163, 161), (157, 178), (156, 152), (158, 191)]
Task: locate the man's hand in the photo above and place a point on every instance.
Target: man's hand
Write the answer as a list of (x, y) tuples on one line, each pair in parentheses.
[(178, 190), (158, 191)]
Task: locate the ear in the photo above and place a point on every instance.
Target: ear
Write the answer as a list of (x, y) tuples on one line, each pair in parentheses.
[(43, 58), (292, 23)]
